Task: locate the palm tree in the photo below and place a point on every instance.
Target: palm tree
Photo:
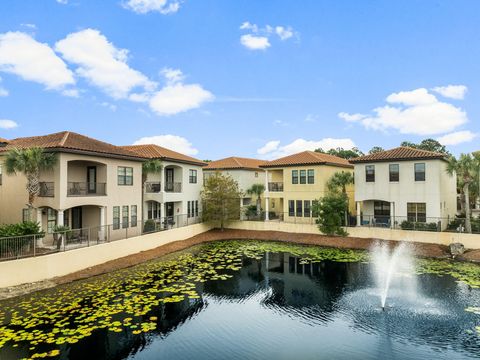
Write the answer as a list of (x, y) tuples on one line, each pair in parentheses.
[(466, 168), (257, 189), (340, 180), (30, 162), (151, 166)]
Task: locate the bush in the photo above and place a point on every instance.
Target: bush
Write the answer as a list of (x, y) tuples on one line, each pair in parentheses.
[(149, 226), (419, 226), (20, 229), (331, 211)]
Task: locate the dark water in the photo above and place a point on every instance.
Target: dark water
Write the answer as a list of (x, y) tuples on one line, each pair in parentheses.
[(279, 307)]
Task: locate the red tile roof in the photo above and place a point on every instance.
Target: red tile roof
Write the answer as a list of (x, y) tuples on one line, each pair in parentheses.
[(398, 154), (151, 151), (2, 140), (235, 162), (308, 158), (67, 141)]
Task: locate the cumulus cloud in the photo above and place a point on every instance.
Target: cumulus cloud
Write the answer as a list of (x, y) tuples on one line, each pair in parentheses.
[(145, 6), (172, 75), (63, 2), (172, 142), (3, 91), (253, 42), (452, 91), (273, 149), (259, 37), (7, 124), (457, 137), (101, 63), (177, 98), (415, 112), (22, 55)]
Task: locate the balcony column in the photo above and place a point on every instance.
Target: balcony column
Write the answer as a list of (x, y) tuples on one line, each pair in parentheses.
[(392, 215), (162, 180), (267, 196), (40, 223), (101, 232), (60, 218), (359, 216)]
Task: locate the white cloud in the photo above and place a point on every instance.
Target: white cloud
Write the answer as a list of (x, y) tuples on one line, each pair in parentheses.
[(100, 62), (452, 91), (456, 138), (144, 6), (253, 42), (63, 2), (273, 150), (7, 124), (30, 26), (248, 26), (283, 32), (176, 98), (22, 55), (112, 107), (3, 91), (415, 112), (269, 147), (71, 93), (172, 75), (172, 142)]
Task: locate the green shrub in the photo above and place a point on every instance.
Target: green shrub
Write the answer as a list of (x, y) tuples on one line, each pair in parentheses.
[(331, 211), (251, 211), (418, 226), (149, 226), (20, 229)]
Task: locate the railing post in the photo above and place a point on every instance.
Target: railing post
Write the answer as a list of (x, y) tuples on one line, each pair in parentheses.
[(88, 239), (34, 245)]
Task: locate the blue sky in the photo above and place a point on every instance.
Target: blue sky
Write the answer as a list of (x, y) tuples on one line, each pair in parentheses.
[(246, 78)]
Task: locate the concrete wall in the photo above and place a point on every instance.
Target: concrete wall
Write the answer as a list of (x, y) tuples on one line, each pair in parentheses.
[(470, 241), (45, 267)]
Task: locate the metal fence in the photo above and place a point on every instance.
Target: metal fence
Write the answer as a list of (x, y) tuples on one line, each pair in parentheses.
[(17, 247)]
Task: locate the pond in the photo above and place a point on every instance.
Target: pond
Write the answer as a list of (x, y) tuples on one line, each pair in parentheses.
[(250, 300)]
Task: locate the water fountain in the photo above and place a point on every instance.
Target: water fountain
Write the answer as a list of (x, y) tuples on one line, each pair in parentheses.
[(393, 265)]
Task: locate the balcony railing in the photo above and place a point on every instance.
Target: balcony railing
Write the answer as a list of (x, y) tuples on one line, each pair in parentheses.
[(86, 189), (47, 189), (153, 187), (275, 186), (173, 187)]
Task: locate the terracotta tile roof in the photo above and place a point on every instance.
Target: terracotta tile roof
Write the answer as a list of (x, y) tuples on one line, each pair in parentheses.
[(235, 162), (399, 154), (2, 140), (308, 158), (151, 151), (68, 141)]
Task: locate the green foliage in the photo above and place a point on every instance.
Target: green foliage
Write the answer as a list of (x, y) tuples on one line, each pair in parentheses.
[(149, 226), (419, 226), (251, 210), (257, 189), (343, 153), (20, 229), (429, 145), (339, 181), (221, 200), (375, 149), (331, 210), (151, 166)]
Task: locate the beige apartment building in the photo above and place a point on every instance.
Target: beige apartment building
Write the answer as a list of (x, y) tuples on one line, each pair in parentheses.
[(296, 181), (93, 184)]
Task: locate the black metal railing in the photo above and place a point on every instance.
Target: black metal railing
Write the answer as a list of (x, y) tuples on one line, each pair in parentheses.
[(275, 186), (153, 187), (86, 189), (47, 189), (173, 187)]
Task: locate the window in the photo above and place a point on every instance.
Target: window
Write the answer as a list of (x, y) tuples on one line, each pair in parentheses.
[(291, 208), (192, 176), (315, 208), (299, 208), (153, 210), (306, 208), (25, 215), (51, 220), (188, 209), (66, 218), (124, 217), (294, 176), (125, 175), (370, 173), (394, 171), (196, 207), (417, 212), (311, 176), (303, 176), (133, 216), (116, 217), (420, 172)]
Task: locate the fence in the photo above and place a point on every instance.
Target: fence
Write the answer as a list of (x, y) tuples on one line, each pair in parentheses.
[(17, 247), (418, 223)]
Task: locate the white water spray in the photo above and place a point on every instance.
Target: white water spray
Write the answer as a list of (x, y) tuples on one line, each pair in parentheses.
[(393, 267)]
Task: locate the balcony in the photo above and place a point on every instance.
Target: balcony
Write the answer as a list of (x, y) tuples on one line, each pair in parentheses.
[(47, 189), (275, 186), (86, 189), (173, 187), (153, 187)]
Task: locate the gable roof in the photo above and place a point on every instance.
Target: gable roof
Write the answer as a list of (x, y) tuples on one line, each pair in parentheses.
[(235, 162), (402, 153), (308, 158), (151, 151), (68, 141)]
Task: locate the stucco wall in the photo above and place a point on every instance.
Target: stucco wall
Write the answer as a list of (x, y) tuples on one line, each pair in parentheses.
[(40, 268)]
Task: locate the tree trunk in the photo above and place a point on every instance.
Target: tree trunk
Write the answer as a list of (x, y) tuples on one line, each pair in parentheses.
[(468, 225)]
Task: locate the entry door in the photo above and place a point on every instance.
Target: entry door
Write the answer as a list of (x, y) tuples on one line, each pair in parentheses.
[(77, 217), (170, 209), (169, 179), (92, 179)]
